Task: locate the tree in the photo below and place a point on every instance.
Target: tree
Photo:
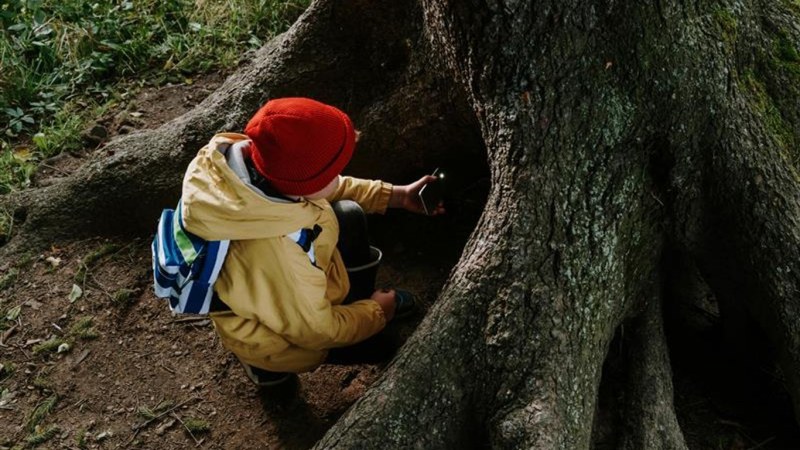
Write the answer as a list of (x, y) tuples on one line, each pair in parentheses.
[(617, 133)]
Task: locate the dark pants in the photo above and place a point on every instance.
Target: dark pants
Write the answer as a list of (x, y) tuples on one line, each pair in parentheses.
[(359, 258), (361, 261)]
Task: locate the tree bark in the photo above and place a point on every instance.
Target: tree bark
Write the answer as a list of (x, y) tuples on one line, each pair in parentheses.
[(613, 131)]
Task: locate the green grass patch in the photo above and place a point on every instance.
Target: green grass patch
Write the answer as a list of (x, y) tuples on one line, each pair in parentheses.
[(40, 437), (151, 413), (49, 346), (42, 381), (8, 278), (196, 426), (84, 329), (62, 59), (80, 438), (92, 258), (123, 296), (40, 412), (7, 369)]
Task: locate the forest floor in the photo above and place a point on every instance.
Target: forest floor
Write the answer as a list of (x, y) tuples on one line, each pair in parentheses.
[(91, 359)]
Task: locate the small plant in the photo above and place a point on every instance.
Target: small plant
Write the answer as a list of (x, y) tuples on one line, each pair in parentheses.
[(83, 329), (7, 369), (42, 381), (89, 260), (49, 346), (80, 438), (150, 414), (40, 437), (8, 278), (40, 412), (196, 426), (122, 296)]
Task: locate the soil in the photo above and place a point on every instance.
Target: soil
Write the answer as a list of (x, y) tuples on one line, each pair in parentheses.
[(138, 376)]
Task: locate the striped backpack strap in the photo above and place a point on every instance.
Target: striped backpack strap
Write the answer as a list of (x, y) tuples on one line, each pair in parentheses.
[(185, 266)]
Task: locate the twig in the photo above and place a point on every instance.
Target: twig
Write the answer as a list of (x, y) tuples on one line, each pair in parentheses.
[(63, 172), (190, 319), (187, 429), (8, 334), (167, 369), (762, 444), (139, 427)]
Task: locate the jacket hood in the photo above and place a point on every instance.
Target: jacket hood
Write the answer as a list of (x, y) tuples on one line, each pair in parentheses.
[(218, 203)]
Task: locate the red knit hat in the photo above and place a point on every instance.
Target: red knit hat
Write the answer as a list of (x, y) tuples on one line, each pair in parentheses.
[(300, 145)]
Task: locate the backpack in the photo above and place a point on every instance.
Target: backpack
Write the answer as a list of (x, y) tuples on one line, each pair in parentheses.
[(185, 266)]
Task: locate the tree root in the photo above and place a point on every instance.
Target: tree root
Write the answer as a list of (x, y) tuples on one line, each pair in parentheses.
[(649, 418)]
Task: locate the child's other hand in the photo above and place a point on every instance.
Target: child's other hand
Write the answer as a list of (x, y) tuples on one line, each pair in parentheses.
[(385, 298), (407, 197)]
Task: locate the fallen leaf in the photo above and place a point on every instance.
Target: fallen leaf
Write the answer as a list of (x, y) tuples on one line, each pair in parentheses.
[(13, 313), (136, 114), (75, 294)]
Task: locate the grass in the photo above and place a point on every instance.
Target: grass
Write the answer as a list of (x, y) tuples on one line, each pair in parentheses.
[(83, 329), (151, 413), (40, 437), (8, 278), (40, 412), (196, 426), (49, 346), (90, 259), (123, 296), (65, 61)]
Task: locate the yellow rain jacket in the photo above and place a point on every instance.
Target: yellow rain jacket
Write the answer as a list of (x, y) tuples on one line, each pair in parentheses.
[(285, 312)]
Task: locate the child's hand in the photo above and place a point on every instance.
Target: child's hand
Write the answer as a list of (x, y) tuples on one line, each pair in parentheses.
[(385, 298), (407, 197)]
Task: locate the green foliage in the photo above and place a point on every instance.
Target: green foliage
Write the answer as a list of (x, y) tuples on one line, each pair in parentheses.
[(196, 426), (83, 329), (80, 438), (8, 278), (62, 59), (40, 437), (123, 296), (89, 260), (40, 412), (151, 413), (49, 346)]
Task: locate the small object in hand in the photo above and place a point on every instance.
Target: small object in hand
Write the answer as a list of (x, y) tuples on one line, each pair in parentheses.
[(432, 193)]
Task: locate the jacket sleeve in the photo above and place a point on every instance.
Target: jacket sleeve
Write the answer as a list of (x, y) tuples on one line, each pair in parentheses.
[(291, 297), (372, 195), (317, 324)]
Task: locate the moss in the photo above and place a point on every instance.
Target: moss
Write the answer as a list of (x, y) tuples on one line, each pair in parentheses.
[(769, 111), (727, 22)]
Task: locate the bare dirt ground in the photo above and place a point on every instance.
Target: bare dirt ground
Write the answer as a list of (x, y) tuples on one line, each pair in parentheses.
[(91, 359)]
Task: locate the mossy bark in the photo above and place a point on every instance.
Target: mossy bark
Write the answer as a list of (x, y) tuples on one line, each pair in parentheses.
[(614, 131)]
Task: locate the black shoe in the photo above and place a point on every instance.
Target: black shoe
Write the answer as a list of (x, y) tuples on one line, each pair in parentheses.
[(405, 305), (265, 378)]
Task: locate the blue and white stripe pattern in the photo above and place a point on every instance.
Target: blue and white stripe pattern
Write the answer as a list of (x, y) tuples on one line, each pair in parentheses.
[(185, 266)]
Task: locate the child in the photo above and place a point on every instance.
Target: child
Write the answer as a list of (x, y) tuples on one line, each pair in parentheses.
[(279, 302)]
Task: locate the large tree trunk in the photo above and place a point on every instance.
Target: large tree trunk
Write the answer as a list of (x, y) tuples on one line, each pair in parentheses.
[(614, 131)]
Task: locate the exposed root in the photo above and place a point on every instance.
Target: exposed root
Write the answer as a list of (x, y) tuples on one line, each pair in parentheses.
[(649, 418)]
